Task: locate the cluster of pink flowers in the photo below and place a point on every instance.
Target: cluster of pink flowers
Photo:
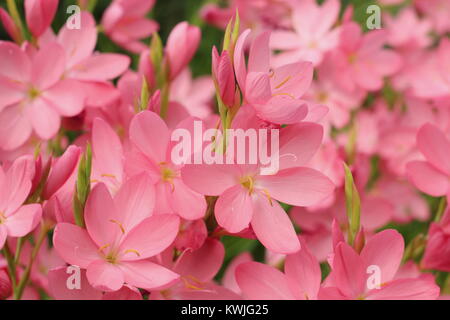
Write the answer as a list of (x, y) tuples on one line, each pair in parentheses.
[(94, 206)]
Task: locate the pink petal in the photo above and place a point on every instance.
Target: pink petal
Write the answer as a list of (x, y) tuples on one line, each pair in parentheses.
[(16, 185), (349, 271), (294, 78), (299, 143), (239, 59), (435, 147), (74, 245), (210, 179), (105, 276), (135, 201), (259, 57), (101, 67), (10, 92), (298, 186), (24, 220), (150, 237), (3, 235), (14, 63), (427, 178), (67, 97), (203, 263), (282, 110), (150, 134), (48, 66), (234, 209), (148, 275), (385, 250), (44, 119), (272, 226), (303, 273), (406, 289), (102, 217), (58, 278), (189, 204), (262, 282), (15, 128)]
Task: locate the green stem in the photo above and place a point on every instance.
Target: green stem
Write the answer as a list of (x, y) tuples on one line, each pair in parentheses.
[(26, 275), (20, 243), (14, 12), (165, 95), (441, 209), (11, 265)]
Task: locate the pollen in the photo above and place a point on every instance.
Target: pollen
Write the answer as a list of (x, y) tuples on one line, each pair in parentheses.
[(33, 93), (282, 83), (248, 183), (133, 251)]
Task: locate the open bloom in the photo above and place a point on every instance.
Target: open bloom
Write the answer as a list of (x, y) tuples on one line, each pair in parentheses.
[(248, 198), (152, 154), (371, 274), (432, 175), (16, 219), (300, 280), (125, 23), (436, 255), (34, 96), (312, 36), (361, 61), (274, 94), (116, 244)]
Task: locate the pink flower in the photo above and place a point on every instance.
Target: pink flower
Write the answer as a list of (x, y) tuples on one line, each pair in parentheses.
[(16, 219), (39, 15), (275, 95), (125, 22), (361, 61), (196, 279), (300, 280), (312, 35), (248, 198), (152, 154), (351, 272), (436, 255), (34, 96), (116, 244), (438, 12), (58, 278), (181, 45), (432, 175)]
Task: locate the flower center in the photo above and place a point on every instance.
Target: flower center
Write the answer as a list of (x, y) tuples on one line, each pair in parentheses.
[(352, 58), (248, 183), (33, 93)]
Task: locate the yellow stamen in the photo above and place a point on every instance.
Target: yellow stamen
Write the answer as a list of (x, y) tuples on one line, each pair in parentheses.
[(103, 247), (283, 94), (133, 251), (282, 83), (108, 175), (119, 224), (247, 183), (268, 196), (33, 93)]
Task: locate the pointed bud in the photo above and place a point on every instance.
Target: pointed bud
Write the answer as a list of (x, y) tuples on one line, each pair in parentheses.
[(5, 285), (360, 241), (83, 186), (353, 205), (223, 75)]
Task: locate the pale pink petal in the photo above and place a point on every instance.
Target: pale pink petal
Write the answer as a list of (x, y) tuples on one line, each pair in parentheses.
[(258, 281), (189, 204), (74, 245), (14, 63), (105, 276), (58, 279), (298, 186), (203, 263), (385, 250), (44, 119), (303, 273), (102, 217), (234, 209), (282, 110), (406, 289), (239, 59), (272, 226), (435, 147), (148, 275), (48, 66), (259, 57), (210, 179), (135, 201), (67, 97), (11, 92), (294, 78), (150, 134), (24, 220), (101, 67), (15, 128), (427, 178), (150, 237)]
